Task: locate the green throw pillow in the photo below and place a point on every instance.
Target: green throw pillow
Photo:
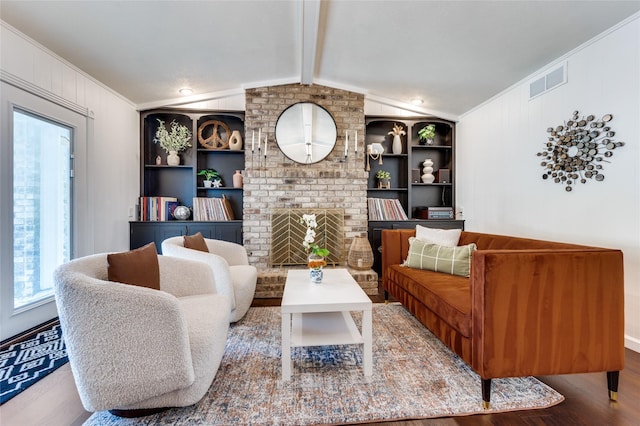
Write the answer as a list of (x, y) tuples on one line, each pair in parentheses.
[(434, 257)]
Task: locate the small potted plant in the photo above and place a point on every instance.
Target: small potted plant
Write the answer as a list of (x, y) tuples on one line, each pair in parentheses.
[(427, 134), (384, 178), (210, 175), (174, 141)]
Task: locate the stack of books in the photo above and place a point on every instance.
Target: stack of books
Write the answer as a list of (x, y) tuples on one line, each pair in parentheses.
[(212, 209), (157, 209), (385, 209)]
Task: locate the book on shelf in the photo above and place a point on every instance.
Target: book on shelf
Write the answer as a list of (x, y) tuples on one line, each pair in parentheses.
[(385, 209), (212, 209), (157, 209)]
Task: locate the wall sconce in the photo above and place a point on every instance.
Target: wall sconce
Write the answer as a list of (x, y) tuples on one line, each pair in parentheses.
[(374, 151)]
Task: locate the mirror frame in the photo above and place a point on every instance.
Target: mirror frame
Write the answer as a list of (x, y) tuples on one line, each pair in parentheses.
[(291, 130)]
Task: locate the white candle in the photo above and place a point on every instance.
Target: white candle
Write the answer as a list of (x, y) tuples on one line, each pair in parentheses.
[(355, 142), (253, 139), (265, 147), (346, 143), (259, 138)]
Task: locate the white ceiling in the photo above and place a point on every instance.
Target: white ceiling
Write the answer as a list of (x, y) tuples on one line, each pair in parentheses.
[(453, 54)]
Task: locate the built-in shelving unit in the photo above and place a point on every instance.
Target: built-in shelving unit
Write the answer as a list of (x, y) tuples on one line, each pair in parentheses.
[(407, 186), (182, 181)]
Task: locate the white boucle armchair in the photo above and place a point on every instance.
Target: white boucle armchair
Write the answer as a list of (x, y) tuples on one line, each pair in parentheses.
[(136, 348), (233, 276)]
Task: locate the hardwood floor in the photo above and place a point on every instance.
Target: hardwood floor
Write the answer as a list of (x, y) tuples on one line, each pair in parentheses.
[(54, 401)]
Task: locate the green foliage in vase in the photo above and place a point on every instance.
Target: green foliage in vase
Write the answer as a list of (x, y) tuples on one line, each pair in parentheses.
[(427, 132), (383, 174), (178, 139), (209, 174)]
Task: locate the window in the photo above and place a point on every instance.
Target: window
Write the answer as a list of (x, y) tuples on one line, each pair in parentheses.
[(41, 204)]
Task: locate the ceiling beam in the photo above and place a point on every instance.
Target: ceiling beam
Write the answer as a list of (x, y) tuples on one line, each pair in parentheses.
[(310, 22)]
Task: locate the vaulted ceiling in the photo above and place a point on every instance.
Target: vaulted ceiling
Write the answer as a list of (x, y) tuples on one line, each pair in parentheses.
[(452, 54)]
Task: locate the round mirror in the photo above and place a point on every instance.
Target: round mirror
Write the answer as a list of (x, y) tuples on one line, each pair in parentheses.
[(306, 133)]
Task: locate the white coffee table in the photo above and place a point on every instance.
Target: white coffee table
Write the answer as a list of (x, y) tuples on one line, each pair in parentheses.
[(320, 315)]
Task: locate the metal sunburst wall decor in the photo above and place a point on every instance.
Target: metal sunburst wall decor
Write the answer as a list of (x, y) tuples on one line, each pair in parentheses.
[(576, 150)]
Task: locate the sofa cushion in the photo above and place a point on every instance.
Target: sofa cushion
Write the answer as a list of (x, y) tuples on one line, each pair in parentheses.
[(137, 267), (444, 237), (195, 242), (448, 296), (434, 257)]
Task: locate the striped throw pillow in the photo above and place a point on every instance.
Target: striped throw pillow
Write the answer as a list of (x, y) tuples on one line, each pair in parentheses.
[(434, 257)]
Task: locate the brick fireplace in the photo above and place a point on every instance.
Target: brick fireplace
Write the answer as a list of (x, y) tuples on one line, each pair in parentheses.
[(276, 182)]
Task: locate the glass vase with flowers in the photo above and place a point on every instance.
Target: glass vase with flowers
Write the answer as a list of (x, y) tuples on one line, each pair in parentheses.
[(316, 254)]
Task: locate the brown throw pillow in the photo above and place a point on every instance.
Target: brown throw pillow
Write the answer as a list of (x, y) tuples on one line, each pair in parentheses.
[(137, 267), (195, 242)]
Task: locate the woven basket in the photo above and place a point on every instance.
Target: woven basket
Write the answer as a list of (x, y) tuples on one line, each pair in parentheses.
[(360, 255)]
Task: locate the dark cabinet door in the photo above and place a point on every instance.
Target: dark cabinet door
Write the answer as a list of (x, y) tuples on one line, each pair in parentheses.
[(226, 231), (142, 233)]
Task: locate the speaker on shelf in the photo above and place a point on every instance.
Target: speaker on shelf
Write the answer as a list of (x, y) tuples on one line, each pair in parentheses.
[(415, 175), (444, 176)]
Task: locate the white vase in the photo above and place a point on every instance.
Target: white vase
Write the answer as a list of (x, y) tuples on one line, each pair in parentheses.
[(427, 171), (428, 178), (173, 159), (396, 147), (235, 141)]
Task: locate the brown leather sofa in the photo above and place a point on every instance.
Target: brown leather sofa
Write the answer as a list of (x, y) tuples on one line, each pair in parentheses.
[(529, 307)]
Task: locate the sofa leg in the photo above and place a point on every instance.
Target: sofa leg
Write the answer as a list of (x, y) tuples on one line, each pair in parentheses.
[(486, 394), (612, 384)]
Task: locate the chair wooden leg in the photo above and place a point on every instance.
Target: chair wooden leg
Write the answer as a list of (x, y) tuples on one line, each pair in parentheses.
[(612, 384), (486, 394)]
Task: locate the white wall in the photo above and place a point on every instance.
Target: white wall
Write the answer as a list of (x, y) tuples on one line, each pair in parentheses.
[(499, 177), (113, 151)]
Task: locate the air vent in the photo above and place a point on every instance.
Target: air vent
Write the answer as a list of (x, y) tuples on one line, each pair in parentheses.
[(548, 81)]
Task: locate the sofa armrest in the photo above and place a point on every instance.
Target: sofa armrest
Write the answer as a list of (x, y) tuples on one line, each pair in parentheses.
[(539, 312), (217, 264), (233, 253), (185, 277), (395, 246), (143, 354)]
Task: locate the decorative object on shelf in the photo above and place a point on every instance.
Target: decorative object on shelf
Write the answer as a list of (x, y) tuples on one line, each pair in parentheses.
[(360, 255), (374, 151), (316, 254), (158, 160), (397, 133), (575, 149), (237, 179), (384, 179), (173, 159), (182, 213), (210, 175), (415, 175), (216, 140), (427, 134), (235, 141), (427, 171), (444, 176), (174, 141)]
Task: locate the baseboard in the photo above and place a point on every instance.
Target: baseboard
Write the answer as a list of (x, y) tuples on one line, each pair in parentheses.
[(632, 343)]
